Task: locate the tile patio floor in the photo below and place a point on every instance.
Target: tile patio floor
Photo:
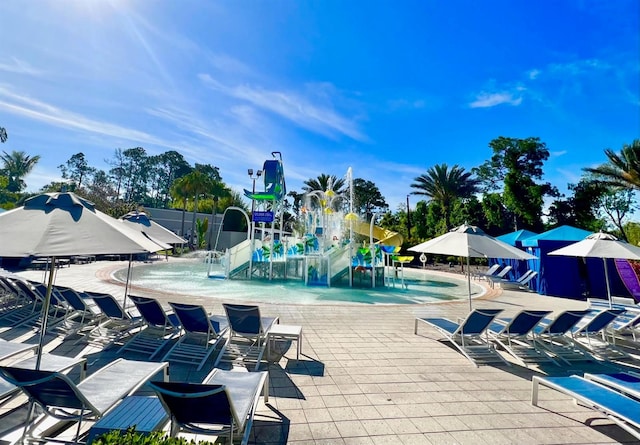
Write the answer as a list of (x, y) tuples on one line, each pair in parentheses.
[(365, 378)]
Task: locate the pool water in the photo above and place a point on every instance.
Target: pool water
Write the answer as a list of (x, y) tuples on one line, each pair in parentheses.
[(190, 278)]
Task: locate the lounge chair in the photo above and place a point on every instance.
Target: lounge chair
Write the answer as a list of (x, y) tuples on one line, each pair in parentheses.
[(521, 283), (48, 362), (624, 382), (489, 273), (224, 403), (623, 410), (469, 336), (248, 332), (515, 336), (502, 275), (10, 349), (159, 328), (82, 317), (591, 334), (554, 336), (88, 400), (116, 323), (202, 334)]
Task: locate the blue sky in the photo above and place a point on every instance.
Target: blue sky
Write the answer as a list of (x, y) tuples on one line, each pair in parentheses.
[(389, 88)]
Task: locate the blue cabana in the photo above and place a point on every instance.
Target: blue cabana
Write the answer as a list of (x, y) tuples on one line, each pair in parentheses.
[(518, 267), (515, 238), (567, 276)]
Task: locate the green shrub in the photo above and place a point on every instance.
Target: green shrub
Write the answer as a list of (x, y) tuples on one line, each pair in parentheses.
[(130, 437)]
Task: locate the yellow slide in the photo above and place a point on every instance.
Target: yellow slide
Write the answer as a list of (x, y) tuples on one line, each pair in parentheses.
[(384, 236)]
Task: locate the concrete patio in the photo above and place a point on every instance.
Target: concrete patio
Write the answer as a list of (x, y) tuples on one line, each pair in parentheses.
[(364, 377)]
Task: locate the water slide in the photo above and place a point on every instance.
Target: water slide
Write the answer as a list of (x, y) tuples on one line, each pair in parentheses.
[(238, 256), (384, 236), (274, 185)]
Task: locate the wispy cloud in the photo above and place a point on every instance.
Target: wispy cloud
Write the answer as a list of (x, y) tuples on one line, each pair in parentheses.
[(17, 66), (300, 110), (557, 154), (487, 99), (34, 109)]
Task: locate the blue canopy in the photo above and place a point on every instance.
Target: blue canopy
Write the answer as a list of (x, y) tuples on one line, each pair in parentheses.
[(514, 238), (562, 233)]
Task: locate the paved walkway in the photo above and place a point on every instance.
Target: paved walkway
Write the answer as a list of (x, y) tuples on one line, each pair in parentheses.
[(366, 378)]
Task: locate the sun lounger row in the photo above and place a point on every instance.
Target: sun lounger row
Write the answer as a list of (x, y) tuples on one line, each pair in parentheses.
[(530, 336)]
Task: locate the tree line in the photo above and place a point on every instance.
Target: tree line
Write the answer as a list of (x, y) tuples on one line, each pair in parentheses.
[(505, 193)]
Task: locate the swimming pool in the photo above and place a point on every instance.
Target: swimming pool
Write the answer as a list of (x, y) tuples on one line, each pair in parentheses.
[(189, 277)]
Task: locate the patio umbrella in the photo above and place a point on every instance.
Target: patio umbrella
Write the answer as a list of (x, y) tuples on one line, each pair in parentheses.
[(140, 221), (601, 245), (58, 225), (470, 241)]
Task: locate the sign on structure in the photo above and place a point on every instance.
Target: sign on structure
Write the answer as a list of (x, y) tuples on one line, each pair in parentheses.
[(264, 217)]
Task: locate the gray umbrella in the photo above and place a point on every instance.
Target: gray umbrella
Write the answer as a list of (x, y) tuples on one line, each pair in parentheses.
[(470, 241), (58, 225), (140, 221)]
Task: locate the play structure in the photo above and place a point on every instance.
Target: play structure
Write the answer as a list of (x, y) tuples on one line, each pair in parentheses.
[(322, 251)]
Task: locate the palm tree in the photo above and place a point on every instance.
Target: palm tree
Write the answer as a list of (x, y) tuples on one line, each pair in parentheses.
[(197, 183), (444, 186), (622, 170), (17, 165), (3, 135), (218, 190), (327, 188), (180, 192)]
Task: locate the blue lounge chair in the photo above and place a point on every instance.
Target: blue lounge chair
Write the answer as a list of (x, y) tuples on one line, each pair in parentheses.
[(248, 331), (624, 382), (202, 334), (623, 410), (158, 330), (489, 273), (591, 334), (88, 400), (224, 403), (116, 323), (82, 317), (554, 336), (470, 336), (515, 336)]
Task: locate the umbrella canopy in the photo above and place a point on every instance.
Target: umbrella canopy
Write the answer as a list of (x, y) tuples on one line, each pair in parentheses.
[(62, 225), (601, 245), (470, 242), (140, 221)]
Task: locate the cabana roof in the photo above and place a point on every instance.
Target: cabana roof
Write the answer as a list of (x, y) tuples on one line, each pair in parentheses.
[(562, 233), (518, 235)]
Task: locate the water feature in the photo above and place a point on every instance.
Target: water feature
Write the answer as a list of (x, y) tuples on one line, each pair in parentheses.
[(189, 277)]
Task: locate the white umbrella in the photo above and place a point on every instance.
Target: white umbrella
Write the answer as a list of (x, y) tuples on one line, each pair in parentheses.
[(140, 221), (58, 225), (601, 245), (470, 241)]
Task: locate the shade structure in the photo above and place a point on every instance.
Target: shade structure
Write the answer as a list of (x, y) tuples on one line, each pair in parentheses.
[(601, 245), (140, 221), (58, 225), (470, 242)]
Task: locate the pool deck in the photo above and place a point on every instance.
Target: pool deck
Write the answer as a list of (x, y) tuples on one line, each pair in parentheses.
[(364, 377)]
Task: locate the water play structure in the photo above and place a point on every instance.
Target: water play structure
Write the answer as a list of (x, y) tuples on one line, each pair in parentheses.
[(323, 251)]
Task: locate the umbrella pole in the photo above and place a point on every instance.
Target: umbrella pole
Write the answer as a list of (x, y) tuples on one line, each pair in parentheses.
[(126, 285), (606, 280), (45, 311), (469, 283)]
